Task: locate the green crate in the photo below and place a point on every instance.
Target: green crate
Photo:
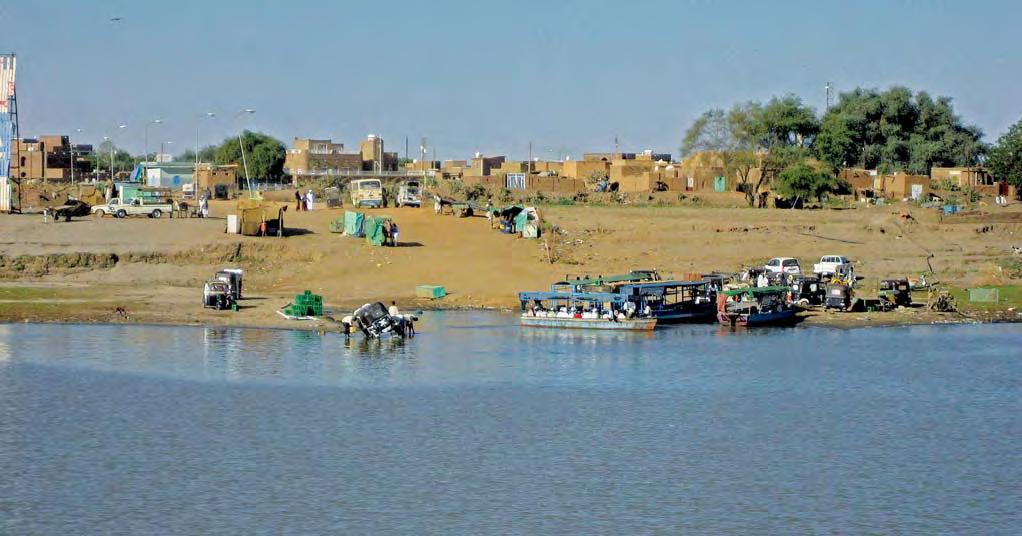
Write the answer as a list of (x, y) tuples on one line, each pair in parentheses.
[(430, 291)]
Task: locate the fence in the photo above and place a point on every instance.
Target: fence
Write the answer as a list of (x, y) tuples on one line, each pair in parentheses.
[(984, 295)]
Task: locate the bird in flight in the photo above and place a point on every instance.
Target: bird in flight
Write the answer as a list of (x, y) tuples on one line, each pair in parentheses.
[(116, 19)]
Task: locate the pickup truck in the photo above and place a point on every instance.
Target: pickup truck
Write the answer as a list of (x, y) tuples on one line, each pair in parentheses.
[(832, 264), (133, 208)]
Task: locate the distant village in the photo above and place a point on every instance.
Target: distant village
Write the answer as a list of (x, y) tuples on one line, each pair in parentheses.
[(55, 159)]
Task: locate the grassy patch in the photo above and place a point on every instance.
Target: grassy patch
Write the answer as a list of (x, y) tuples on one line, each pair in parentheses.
[(1008, 296), (32, 293)]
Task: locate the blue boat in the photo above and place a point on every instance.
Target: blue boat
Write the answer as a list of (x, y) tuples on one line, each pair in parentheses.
[(580, 310)]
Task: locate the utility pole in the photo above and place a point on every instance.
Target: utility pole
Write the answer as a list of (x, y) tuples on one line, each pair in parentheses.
[(406, 148), (529, 172), (827, 109)]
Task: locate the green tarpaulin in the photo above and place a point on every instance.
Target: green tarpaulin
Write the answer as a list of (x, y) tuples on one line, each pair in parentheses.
[(354, 223), (373, 228)]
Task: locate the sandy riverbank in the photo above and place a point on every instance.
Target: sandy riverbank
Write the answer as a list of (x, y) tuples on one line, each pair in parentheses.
[(84, 270)]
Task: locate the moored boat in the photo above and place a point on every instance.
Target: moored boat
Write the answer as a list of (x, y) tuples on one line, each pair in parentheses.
[(755, 306), (627, 324), (582, 310), (674, 301)]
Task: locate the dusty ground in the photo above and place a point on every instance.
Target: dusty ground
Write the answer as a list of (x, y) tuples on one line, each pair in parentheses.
[(154, 269)]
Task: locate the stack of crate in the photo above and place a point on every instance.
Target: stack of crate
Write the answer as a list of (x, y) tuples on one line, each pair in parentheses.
[(306, 304)]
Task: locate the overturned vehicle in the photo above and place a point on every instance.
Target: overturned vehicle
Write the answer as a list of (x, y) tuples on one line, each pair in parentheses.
[(375, 322), (73, 208)]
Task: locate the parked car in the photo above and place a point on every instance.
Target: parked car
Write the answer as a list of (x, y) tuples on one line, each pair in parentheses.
[(136, 207), (786, 265), (832, 264), (366, 193), (409, 194)]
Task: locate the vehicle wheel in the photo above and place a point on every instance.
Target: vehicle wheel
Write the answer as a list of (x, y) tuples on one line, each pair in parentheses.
[(157, 213), (122, 214), (101, 213), (804, 303)]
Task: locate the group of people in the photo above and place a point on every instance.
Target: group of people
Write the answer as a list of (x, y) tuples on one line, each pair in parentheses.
[(630, 310), (304, 201)]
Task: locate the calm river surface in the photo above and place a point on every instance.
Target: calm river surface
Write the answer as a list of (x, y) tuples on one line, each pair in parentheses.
[(478, 427)]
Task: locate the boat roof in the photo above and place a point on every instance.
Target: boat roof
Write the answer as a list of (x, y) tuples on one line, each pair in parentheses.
[(573, 296), (755, 291), (665, 284), (634, 275)]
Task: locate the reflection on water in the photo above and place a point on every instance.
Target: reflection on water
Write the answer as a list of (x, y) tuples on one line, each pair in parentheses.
[(477, 426)]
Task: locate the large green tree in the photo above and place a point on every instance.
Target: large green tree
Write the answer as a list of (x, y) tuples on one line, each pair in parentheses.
[(264, 155), (896, 130), (1005, 158), (769, 137), (804, 182)]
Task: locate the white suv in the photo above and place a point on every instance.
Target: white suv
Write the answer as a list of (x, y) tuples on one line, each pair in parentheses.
[(783, 265)]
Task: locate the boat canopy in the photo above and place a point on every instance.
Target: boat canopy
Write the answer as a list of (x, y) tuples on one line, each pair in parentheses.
[(633, 276), (756, 291), (594, 297), (662, 285)]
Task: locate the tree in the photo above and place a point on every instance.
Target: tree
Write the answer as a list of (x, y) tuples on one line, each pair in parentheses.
[(752, 135), (726, 135), (123, 161), (1005, 157), (895, 130), (263, 154), (802, 181)]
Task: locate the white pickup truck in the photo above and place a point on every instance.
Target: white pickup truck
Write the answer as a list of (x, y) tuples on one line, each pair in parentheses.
[(832, 264), (133, 208)]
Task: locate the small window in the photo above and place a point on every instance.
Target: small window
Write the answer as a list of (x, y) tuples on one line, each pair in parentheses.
[(790, 262)]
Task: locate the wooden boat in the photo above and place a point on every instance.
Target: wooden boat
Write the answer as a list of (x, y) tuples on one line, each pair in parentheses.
[(674, 301), (751, 307), (627, 324), (562, 310)]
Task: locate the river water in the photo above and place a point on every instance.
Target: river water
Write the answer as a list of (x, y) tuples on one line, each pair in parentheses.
[(479, 427)]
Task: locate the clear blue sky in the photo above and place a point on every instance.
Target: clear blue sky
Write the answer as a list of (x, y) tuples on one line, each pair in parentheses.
[(488, 76)]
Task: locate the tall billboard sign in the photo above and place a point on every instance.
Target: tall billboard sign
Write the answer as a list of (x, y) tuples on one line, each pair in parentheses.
[(8, 111)]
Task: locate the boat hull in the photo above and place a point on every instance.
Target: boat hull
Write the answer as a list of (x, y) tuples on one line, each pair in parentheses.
[(666, 316), (777, 318), (635, 324)]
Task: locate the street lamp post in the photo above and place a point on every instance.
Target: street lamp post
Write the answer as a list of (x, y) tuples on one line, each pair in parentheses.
[(161, 146), (119, 127), (108, 139), (244, 162), (145, 163), (72, 144), (195, 173)]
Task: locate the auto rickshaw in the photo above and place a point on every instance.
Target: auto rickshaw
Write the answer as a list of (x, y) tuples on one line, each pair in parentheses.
[(216, 294), (839, 296), (808, 291), (895, 291)]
